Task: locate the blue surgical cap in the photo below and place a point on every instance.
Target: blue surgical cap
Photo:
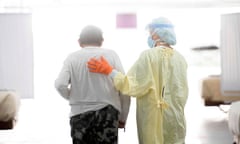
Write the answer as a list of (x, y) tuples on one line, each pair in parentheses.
[(164, 29)]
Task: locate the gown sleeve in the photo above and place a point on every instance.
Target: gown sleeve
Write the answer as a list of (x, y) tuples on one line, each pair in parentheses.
[(138, 80)]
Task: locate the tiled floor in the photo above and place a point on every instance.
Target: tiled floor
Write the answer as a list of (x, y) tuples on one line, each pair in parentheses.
[(45, 121), (40, 123)]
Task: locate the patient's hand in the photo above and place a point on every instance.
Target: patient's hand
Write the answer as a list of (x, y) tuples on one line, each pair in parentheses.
[(121, 124)]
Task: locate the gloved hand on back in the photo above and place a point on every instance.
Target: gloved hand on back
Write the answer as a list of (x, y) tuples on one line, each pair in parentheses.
[(99, 66)]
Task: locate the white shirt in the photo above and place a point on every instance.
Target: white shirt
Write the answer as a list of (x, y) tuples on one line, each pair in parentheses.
[(88, 91)]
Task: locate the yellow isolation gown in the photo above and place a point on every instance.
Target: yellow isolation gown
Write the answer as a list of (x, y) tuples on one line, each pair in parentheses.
[(158, 80)]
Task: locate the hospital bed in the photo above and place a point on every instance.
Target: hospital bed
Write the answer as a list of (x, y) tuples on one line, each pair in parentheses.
[(211, 92), (212, 96), (234, 121)]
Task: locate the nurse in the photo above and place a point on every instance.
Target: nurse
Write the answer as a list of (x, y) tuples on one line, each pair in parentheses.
[(158, 80)]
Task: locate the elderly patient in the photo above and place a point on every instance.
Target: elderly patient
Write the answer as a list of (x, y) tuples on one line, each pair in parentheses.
[(158, 80), (97, 108)]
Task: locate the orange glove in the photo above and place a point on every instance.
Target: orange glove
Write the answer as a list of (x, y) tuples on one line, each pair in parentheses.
[(99, 66)]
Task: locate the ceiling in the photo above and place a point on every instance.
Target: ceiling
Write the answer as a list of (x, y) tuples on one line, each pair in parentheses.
[(141, 3)]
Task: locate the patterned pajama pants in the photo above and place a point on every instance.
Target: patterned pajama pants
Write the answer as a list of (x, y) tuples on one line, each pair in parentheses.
[(95, 127)]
